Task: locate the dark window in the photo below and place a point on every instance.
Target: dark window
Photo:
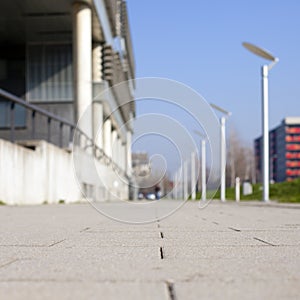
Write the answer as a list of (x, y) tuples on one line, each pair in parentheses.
[(12, 79)]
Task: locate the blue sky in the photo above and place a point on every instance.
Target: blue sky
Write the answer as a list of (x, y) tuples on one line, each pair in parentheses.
[(199, 44)]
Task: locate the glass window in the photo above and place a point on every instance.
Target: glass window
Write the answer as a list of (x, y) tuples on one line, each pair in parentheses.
[(12, 80), (19, 114), (49, 72)]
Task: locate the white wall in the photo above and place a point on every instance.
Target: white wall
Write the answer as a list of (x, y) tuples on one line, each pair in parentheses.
[(36, 176), (46, 174)]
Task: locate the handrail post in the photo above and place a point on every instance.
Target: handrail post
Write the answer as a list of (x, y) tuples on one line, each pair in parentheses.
[(12, 122), (71, 134), (33, 124), (49, 130), (60, 134)]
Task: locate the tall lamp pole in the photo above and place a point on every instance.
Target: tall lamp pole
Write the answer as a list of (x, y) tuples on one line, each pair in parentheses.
[(222, 149), (185, 180), (265, 111), (193, 176), (203, 164)]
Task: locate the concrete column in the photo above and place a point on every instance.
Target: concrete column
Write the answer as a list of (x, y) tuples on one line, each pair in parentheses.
[(107, 137), (128, 153), (119, 143), (97, 107), (114, 139), (82, 35), (98, 123), (123, 157), (97, 62)]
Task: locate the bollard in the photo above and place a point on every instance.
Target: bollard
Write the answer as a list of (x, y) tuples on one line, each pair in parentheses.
[(237, 189)]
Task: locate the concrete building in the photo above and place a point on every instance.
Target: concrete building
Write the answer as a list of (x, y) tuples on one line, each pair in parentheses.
[(284, 151), (60, 60), (140, 164)]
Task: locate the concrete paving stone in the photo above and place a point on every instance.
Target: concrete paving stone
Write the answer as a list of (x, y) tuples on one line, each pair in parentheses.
[(81, 270), (235, 269), (25, 239), (192, 229), (83, 262), (113, 241), (137, 212), (257, 217), (229, 288), (229, 252), (222, 251), (212, 239), (289, 238), (82, 290)]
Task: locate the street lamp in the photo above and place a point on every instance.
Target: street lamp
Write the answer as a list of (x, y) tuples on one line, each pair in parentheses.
[(265, 111), (222, 149), (185, 180), (203, 164), (193, 175)]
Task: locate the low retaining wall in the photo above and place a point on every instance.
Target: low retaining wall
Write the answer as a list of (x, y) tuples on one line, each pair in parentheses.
[(37, 172)]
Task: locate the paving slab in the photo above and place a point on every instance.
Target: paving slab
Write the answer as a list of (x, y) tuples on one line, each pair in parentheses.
[(225, 251)]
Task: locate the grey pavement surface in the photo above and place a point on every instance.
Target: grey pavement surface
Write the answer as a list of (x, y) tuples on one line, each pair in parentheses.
[(225, 251)]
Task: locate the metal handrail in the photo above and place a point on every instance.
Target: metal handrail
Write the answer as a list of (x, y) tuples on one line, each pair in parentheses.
[(37, 109), (50, 116)]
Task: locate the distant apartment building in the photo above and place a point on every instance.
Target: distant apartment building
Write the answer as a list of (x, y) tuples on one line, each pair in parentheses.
[(284, 151), (58, 60)]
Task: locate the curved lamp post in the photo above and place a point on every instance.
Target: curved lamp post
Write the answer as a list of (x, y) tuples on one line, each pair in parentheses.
[(203, 163), (222, 149), (265, 111)]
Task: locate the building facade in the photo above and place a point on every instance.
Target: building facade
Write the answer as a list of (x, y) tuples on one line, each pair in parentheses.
[(284, 151), (66, 57)]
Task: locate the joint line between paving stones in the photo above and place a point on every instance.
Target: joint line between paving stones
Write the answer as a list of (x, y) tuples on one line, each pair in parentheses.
[(171, 290), (234, 229), (265, 242), (85, 229), (55, 243), (161, 251), (9, 263)]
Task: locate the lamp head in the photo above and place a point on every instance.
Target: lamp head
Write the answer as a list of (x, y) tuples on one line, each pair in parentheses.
[(203, 136), (260, 52), (220, 109)]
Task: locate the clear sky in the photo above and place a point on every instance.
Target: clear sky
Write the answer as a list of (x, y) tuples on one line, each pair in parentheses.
[(198, 42)]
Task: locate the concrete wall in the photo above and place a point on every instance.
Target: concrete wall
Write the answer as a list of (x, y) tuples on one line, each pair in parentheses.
[(38, 175), (38, 172)]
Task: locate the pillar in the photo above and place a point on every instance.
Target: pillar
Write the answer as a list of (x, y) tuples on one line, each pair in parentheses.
[(107, 137), (128, 153), (114, 138), (123, 157), (119, 144), (97, 105), (98, 123), (82, 43)]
